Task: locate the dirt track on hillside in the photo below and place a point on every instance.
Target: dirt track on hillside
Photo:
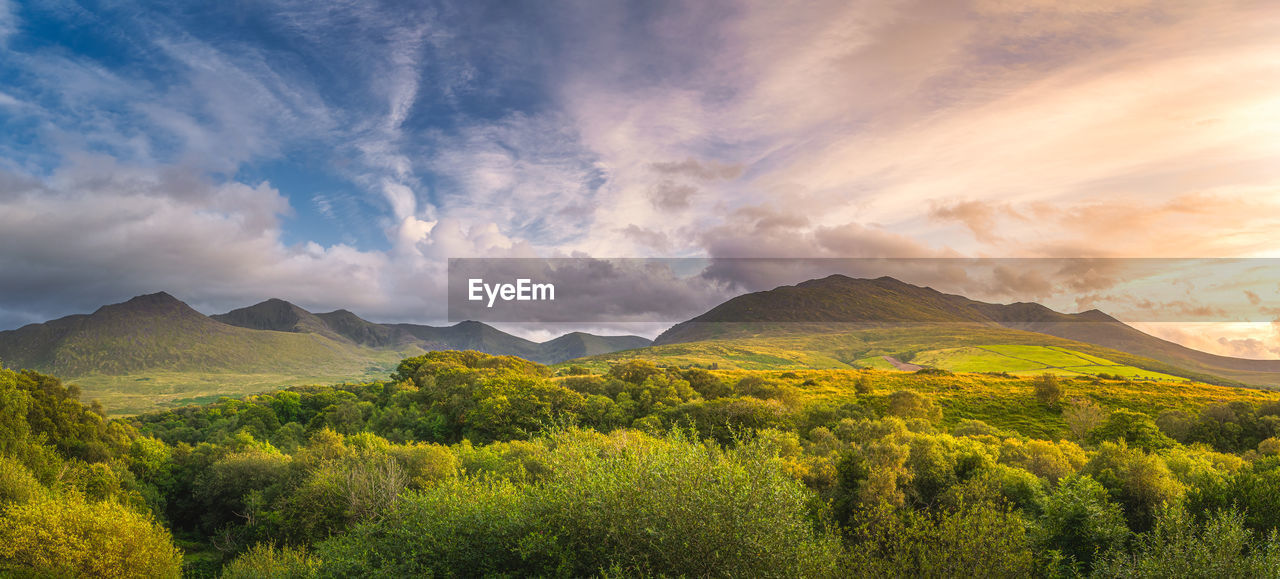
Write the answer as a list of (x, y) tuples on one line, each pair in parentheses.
[(899, 364)]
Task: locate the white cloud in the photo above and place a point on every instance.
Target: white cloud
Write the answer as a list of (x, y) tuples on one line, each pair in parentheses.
[(741, 128), (8, 21)]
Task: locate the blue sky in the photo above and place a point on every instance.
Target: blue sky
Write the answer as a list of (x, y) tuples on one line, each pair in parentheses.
[(336, 154)]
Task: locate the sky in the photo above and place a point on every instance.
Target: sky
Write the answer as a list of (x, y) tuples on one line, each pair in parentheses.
[(337, 154)]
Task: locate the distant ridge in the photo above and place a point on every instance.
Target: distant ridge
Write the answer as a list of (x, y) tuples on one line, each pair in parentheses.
[(345, 326), (158, 331), (839, 299)]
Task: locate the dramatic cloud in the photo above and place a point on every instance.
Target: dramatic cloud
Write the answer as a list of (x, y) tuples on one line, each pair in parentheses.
[(337, 155)]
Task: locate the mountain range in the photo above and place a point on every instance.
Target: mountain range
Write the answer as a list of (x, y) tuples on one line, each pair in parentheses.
[(159, 331), (156, 350), (842, 303)]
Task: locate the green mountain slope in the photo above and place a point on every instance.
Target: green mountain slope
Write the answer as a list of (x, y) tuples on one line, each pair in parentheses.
[(159, 331), (155, 350), (344, 326), (841, 346), (579, 344), (839, 304)]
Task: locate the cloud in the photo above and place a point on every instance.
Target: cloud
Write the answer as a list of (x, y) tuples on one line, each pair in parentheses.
[(101, 232), (727, 128), (647, 238), (709, 171), (978, 216), (8, 21), (1023, 282), (1255, 341), (670, 196)]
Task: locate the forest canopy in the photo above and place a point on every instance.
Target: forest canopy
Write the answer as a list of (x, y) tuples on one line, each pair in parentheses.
[(466, 463)]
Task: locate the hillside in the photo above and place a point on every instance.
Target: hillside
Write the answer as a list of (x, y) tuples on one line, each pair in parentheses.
[(156, 350), (580, 344), (159, 331), (838, 305), (345, 326)]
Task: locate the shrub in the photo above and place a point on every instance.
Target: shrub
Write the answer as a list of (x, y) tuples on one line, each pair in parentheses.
[(909, 404), (977, 539), (1176, 424), (266, 561), (1141, 482), (1082, 416), (17, 484), (1135, 428), (1080, 521), (629, 502), (67, 536), (1179, 547), (1048, 389), (634, 371)]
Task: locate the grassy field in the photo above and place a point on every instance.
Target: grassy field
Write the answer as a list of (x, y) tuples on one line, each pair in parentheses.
[(1026, 359), (140, 392), (955, 347), (974, 359)]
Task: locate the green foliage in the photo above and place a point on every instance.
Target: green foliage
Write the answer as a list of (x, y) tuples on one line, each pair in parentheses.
[(910, 404), (862, 385), (647, 506), (1134, 428), (67, 535), (1080, 521), (266, 561), (1142, 483), (1254, 490), (1082, 417), (493, 466), (17, 484), (982, 538), (446, 361), (1179, 547), (1048, 389)]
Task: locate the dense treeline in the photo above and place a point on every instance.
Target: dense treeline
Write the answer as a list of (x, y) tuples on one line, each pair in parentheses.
[(464, 463), (73, 489)]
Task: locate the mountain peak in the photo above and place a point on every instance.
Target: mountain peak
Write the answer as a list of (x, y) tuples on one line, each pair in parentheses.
[(153, 304), (155, 298), (272, 314)]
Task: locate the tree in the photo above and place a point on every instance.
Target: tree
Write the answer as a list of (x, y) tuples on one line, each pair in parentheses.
[(1135, 428), (1176, 424), (651, 506), (68, 536), (1142, 483), (634, 371), (862, 385), (1080, 521), (266, 561), (1048, 389), (1083, 415), (975, 539), (908, 404), (1180, 547)]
